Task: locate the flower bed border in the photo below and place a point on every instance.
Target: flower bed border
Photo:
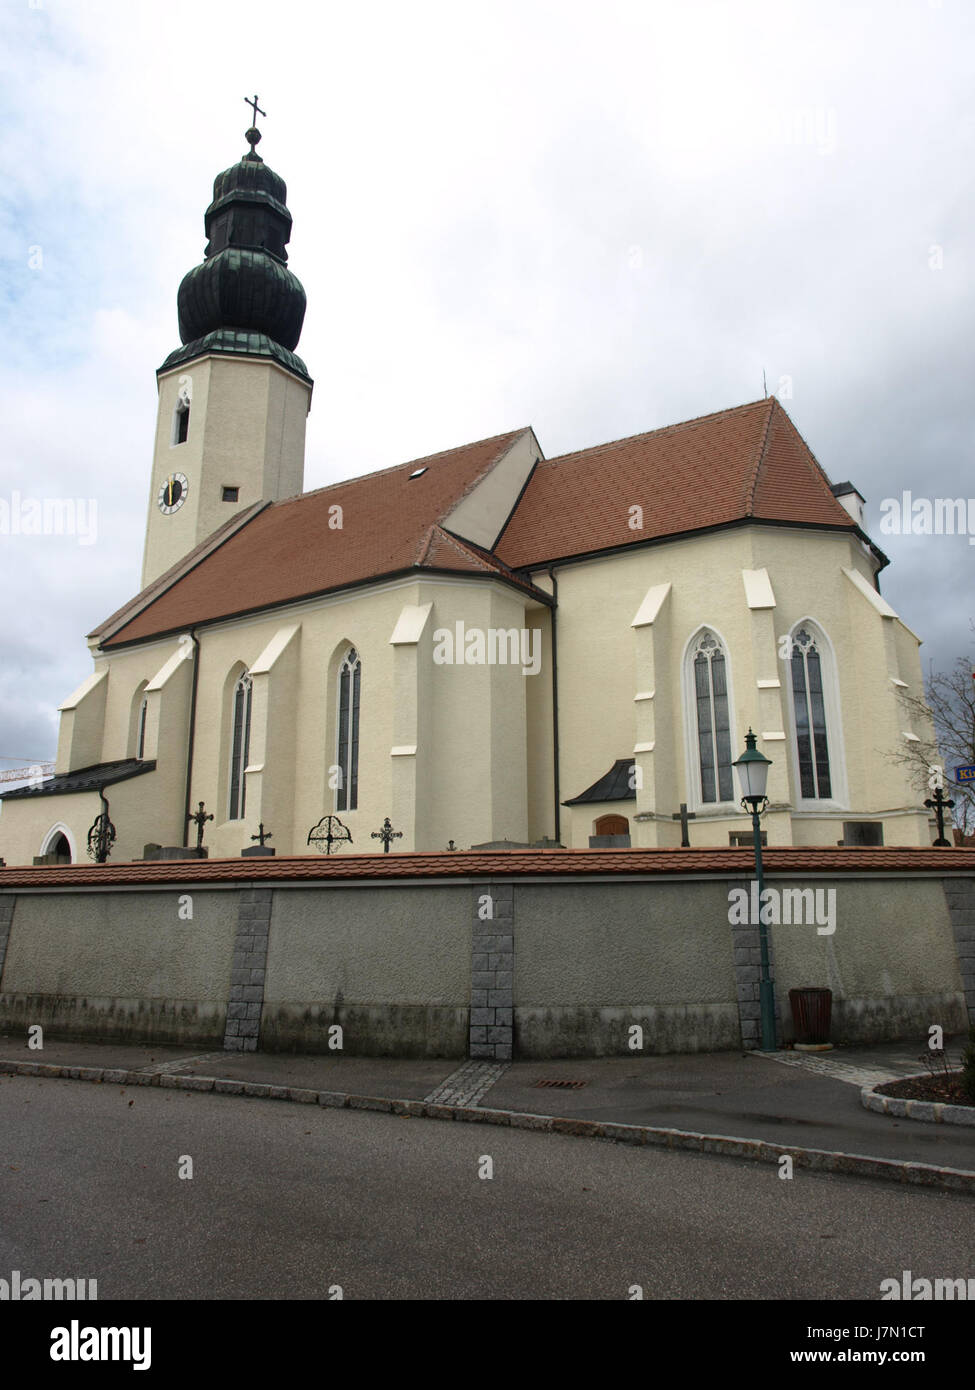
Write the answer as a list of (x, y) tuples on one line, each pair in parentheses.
[(930, 1111)]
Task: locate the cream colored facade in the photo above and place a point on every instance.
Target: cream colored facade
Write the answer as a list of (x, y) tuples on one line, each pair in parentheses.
[(626, 626), (245, 431), (465, 752)]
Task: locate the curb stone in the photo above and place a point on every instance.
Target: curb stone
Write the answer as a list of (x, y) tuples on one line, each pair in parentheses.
[(758, 1150), (930, 1111)]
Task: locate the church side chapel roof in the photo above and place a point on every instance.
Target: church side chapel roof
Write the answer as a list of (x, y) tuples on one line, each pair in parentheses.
[(749, 461), (85, 779), (614, 785), (287, 550)]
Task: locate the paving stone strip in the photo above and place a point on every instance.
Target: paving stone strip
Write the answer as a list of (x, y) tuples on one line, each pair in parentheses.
[(467, 1084), (827, 1066), (817, 1160), (181, 1065)]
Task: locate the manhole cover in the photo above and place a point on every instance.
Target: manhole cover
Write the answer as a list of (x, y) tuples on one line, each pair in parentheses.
[(565, 1085)]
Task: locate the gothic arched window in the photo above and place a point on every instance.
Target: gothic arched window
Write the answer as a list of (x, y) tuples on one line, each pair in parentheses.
[(809, 708), (240, 746), (141, 741), (350, 675), (710, 672)]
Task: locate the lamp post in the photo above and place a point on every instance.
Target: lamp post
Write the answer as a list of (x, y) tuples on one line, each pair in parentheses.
[(752, 769)]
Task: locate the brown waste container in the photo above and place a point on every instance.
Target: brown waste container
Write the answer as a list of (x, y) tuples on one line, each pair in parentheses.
[(812, 1011)]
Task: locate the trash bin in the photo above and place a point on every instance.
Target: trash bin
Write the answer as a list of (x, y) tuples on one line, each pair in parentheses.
[(812, 1011)]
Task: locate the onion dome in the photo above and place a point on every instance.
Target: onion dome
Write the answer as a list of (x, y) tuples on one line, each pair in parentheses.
[(243, 299)]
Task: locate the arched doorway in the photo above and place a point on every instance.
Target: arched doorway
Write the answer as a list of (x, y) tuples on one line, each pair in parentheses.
[(56, 848)]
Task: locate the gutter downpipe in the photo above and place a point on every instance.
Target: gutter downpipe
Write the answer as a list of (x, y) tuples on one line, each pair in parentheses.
[(555, 703), (192, 734)]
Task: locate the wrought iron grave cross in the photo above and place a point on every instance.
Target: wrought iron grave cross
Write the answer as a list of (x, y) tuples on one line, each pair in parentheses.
[(201, 818), (386, 834), (939, 805), (323, 840)]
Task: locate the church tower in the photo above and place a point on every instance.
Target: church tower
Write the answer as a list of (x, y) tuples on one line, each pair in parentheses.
[(233, 400)]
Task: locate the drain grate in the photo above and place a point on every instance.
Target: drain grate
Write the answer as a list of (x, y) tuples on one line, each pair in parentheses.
[(564, 1085)]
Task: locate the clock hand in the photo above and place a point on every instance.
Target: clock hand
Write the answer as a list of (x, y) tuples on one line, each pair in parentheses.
[(169, 491)]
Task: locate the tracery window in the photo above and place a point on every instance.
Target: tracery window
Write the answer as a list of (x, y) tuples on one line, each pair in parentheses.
[(350, 680), (240, 746), (812, 745), (713, 721)]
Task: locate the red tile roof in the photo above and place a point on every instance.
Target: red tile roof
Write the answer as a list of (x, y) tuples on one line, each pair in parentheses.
[(545, 863), (288, 551), (747, 461)]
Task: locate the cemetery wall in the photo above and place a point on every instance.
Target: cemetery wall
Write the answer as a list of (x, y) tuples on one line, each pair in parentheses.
[(496, 955)]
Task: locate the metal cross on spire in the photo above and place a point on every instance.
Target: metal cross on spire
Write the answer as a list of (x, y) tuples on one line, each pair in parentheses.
[(253, 135), (252, 101)]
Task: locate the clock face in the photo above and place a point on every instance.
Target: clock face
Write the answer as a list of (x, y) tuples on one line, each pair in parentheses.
[(172, 494)]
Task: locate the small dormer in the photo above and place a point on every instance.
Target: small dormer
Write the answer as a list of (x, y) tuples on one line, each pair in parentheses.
[(850, 500)]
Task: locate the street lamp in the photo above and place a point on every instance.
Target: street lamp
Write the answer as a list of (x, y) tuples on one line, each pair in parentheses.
[(752, 769)]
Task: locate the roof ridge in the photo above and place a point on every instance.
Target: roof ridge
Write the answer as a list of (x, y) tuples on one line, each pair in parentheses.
[(809, 458), (661, 429), (480, 552), (750, 489), (395, 467), (490, 562), (425, 542)]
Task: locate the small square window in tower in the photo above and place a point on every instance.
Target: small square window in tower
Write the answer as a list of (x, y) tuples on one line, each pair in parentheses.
[(231, 494)]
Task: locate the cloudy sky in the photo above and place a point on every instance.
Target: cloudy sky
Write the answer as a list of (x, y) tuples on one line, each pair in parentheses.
[(592, 218)]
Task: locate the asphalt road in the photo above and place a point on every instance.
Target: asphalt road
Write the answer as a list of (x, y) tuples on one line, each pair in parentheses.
[(287, 1201)]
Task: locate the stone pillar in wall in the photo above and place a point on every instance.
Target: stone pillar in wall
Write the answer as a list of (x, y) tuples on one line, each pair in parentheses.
[(492, 972), (248, 971)]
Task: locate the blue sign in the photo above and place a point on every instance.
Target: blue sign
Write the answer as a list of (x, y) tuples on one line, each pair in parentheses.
[(965, 774)]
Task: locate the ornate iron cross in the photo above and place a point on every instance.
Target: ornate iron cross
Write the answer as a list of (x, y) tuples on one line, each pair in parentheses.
[(262, 834), (101, 837), (324, 839), (201, 818), (939, 805), (386, 834)]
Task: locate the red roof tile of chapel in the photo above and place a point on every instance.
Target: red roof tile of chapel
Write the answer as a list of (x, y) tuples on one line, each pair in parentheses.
[(288, 551), (749, 461)]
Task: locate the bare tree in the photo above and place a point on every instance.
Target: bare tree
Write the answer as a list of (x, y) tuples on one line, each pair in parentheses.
[(946, 714)]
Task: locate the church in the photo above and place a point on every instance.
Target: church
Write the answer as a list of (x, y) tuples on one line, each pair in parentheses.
[(485, 646)]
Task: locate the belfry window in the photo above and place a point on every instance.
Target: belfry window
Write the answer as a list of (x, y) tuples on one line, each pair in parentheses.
[(810, 715), (350, 675), (713, 722), (240, 747), (181, 421)]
